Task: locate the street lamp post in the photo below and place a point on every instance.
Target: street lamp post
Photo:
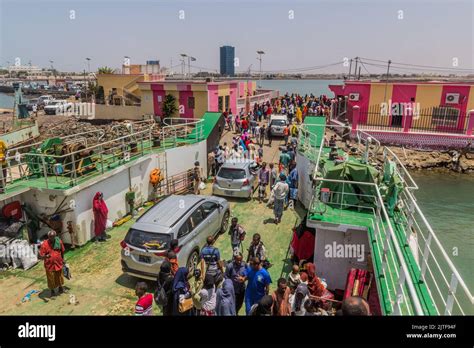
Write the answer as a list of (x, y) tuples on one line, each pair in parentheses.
[(126, 62), (260, 53), (183, 64), (190, 59), (88, 76)]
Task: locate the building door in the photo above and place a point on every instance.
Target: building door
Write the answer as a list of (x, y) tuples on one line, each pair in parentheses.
[(227, 102), (397, 116), (220, 104)]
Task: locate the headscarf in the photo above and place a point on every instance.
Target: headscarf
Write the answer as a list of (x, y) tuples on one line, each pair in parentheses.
[(181, 279), (315, 285), (301, 289), (225, 303), (165, 271), (99, 205)]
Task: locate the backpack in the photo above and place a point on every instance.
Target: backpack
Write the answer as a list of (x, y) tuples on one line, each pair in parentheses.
[(161, 297)]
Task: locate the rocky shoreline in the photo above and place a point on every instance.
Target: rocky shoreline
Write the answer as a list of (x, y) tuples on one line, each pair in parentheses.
[(450, 160)]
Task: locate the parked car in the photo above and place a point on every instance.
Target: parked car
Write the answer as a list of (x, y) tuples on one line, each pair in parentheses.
[(277, 124), (32, 103), (45, 99), (57, 107), (189, 218), (236, 178)]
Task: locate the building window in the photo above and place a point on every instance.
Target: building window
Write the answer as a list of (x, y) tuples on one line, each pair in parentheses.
[(445, 117), (190, 102), (159, 98)]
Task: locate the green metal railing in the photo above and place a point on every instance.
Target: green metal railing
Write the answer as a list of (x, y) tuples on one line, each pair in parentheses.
[(77, 158)]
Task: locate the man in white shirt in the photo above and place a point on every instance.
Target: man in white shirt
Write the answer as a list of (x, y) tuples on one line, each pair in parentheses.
[(280, 192)]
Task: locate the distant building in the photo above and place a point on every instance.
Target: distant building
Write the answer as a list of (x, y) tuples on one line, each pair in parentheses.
[(227, 60), (195, 97), (28, 69)]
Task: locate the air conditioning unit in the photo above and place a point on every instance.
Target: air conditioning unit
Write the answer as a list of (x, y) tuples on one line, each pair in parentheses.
[(452, 98), (354, 96)]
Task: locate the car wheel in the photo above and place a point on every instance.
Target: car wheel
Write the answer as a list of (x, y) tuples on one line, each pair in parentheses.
[(192, 261), (225, 222)]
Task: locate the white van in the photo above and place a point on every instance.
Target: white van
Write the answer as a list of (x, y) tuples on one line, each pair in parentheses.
[(277, 124)]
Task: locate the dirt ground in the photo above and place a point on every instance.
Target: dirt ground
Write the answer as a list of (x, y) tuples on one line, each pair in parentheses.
[(98, 286)]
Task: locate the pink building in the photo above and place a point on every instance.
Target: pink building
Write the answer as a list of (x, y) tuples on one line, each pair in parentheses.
[(194, 98)]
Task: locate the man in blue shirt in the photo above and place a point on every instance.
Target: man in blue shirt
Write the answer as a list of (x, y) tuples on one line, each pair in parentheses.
[(258, 283), (236, 271), (211, 258)]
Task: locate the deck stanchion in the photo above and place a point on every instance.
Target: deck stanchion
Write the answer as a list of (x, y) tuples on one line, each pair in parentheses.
[(424, 261), (74, 174), (102, 159), (45, 171), (411, 211), (399, 293), (451, 292)]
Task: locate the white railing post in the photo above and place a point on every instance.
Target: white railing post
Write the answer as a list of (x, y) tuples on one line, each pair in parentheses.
[(451, 292), (399, 294), (386, 241), (411, 211), (45, 171), (426, 255)]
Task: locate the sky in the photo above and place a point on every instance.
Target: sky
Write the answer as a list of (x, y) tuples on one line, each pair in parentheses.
[(293, 34)]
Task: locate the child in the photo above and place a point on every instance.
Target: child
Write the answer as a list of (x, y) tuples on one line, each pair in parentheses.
[(144, 305), (173, 259), (294, 278)]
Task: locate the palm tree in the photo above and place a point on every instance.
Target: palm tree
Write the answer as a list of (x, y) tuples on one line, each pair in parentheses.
[(105, 70), (169, 106)]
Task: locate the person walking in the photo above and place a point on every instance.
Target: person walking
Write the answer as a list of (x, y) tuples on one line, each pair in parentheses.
[(100, 211), (197, 175), (208, 297), (165, 287), (280, 192), (281, 299), (52, 252), (181, 292), (259, 281), (237, 235), (211, 261), (236, 271), (269, 135), (256, 249), (225, 300), (261, 135), (263, 180), (273, 175)]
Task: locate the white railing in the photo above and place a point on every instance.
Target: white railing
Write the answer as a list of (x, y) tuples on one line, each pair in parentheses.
[(447, 288), (401, 277), (438, 272)]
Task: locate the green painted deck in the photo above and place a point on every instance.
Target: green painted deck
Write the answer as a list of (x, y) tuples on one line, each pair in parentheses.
[(366, 218), (111, 162)]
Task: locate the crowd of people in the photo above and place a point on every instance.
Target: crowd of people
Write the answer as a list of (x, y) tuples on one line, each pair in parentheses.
[(216, 288)]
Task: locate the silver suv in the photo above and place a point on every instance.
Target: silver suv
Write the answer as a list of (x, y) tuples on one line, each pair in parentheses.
[(189, 218)]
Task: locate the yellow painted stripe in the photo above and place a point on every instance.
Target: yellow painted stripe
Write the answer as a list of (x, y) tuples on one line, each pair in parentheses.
[(377, 94), (427, 96)]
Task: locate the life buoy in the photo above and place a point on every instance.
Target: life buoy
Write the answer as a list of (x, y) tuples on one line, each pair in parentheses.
[(156, 176)]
